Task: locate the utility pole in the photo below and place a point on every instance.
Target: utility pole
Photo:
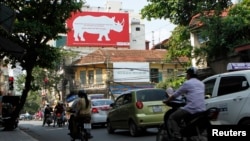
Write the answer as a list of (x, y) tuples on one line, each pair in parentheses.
[(153, 43)]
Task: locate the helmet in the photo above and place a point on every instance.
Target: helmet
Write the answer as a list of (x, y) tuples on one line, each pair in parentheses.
[(192, 71), (81, 93)]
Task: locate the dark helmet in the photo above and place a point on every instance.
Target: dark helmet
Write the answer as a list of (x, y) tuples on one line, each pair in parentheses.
[(192, 71), (82, 93)]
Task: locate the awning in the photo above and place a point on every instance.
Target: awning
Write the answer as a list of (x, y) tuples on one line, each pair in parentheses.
[(7, 18), (8, 46)]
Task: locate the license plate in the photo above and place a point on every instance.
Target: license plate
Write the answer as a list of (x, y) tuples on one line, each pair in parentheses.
[(87, 126), (157, 109)]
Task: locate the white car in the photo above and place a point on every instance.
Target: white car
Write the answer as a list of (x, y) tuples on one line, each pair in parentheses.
[(230, 92), (99, 111), (95, 96)]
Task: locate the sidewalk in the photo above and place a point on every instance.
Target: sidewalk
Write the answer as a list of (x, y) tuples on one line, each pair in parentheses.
[(15, 135)]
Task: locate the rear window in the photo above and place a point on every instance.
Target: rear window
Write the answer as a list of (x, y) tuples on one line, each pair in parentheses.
[(96, 96), (151, 95), (101, 102)]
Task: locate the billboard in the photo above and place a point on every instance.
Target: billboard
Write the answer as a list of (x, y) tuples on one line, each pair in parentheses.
[(131, 72), (119, 89), (98, 29)]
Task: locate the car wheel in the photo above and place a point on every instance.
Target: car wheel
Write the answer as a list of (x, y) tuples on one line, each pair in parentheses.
[(133, 129), (245, 122), (110, 129)]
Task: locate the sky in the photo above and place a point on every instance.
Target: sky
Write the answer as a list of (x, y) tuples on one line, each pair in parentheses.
[(155, 30)]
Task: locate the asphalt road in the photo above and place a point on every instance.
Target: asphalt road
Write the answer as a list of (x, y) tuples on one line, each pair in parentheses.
[(46, 133)]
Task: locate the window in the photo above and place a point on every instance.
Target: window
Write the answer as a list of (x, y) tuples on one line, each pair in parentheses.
[(91, 77), (209, 87), (99, 76), (119, 101), (170, 71), (154, 75), (151, 95), (83, 77), (180, 71), (201, 39), (127, 98), (60, 42), (137, 29), (101, 102), (232, 84)]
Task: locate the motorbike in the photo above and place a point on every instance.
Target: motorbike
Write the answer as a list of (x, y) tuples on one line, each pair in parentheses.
[(8, 120), (49, 119), (192, 129), (82, 126), (59, 119)]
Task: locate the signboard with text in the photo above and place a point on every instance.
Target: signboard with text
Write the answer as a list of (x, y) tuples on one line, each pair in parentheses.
[(131, 72)]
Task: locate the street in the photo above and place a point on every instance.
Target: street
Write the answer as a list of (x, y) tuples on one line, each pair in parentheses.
[(35, 129)]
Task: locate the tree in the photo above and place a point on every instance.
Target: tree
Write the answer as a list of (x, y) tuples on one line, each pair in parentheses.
[(224, 33), (179, 44), (37, 22), (180, 12)]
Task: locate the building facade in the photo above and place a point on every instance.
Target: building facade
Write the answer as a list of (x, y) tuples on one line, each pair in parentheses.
[(114, 71)]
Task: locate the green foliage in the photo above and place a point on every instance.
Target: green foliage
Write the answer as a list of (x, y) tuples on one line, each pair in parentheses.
[(225, 33), (33, 31), (174, 82), (32, 104), (179, 44), (37, 22), (180, 12)]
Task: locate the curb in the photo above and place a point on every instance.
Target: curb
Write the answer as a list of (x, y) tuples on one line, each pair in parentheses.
[(27, 135)]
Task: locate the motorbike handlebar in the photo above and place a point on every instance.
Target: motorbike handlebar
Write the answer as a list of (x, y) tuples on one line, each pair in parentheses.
[(177, 102)]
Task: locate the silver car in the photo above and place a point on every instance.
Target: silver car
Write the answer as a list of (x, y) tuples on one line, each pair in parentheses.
[(99, 111)]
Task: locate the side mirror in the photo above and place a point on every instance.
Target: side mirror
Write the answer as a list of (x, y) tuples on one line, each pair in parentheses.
[(207, 96)]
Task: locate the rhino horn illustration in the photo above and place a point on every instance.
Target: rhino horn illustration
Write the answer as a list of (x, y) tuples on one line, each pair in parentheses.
[(122, 23)]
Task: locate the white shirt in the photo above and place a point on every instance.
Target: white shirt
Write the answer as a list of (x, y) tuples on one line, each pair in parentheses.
[(194, 91)]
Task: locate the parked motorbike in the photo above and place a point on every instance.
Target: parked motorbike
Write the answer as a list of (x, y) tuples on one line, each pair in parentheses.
[(8, 120), (192, 129)]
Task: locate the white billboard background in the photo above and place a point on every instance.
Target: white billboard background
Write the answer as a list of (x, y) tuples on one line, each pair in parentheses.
[(131, 72)]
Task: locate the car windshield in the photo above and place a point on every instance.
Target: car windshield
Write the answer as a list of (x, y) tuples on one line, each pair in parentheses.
[(101, 102), (151, 95)]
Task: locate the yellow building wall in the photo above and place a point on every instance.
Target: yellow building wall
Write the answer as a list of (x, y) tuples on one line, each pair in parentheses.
[(91, 68), (167, 70)]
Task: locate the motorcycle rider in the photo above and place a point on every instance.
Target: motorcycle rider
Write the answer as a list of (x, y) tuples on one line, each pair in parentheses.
[(59, 109), (194, 91), (47, 113), (81, 106)]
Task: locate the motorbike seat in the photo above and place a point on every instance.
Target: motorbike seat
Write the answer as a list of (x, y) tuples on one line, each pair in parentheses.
[(194, 117), (190, 124)]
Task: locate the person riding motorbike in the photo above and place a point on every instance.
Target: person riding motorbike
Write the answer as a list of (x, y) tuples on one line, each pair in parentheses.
[(194, 90), (47, 113), (81, 106), (59, 109)]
